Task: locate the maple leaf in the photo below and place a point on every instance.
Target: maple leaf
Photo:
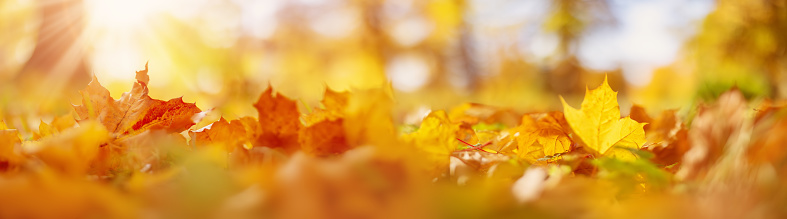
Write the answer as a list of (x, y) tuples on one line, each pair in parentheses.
[(323, 133), (236, 137), (599, 126), (279, 121), (547, 132), (666, 136), (333, 107), (437, 133), (231, 134), (135, 111), (436, 138), (324, 138)]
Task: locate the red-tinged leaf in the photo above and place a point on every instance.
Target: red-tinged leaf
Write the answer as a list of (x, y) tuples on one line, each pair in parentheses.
[(279, 121), (135, 111), (173, 116)]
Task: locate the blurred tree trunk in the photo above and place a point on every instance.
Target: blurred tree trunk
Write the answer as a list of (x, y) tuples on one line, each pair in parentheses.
[(59, 55), (569, 20)]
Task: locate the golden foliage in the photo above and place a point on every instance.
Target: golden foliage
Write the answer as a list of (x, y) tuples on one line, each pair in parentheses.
[(344, 158), (599, 126), (135, 111)]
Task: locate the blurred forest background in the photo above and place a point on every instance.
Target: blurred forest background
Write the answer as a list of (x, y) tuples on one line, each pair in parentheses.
[(433, 53)]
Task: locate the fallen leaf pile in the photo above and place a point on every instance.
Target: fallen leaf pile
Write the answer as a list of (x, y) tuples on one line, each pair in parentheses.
[(140, 157)]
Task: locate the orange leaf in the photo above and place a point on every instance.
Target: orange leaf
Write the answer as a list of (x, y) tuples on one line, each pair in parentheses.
[(544, 131), (324, 138), (279, 121), (666, 136), (334, 104), (173, 116), (232, 133), (58, 124), (135, 111), (9, 141), (323, 132)]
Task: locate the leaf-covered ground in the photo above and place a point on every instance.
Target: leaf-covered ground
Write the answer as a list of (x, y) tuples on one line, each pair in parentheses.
[(140, 157)]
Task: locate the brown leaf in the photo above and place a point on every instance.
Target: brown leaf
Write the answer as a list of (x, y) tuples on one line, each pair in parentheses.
[(769, 146), (709, 135), (768, 137), (768, 108), (666, 136), (639, 114)]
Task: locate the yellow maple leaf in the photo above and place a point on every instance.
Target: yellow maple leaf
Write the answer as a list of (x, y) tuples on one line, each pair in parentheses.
[(599, 126), (436, 139), (436, 134)]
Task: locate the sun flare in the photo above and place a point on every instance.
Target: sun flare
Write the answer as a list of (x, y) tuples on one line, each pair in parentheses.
[(120, 33), (118, 13)]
